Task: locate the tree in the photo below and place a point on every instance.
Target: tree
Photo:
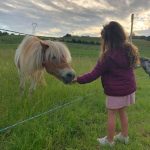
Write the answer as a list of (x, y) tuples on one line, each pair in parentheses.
[(67, 35)]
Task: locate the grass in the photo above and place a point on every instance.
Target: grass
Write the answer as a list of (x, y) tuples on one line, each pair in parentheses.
[(77, 126)]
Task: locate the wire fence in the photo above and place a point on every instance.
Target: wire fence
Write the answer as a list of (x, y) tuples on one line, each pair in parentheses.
[(18, 36), (15, 37), (79, 98), (6, 32)]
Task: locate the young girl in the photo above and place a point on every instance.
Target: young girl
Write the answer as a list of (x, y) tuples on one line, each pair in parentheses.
[(115, 67)]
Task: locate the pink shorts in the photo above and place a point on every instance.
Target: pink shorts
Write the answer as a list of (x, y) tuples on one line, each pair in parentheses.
[(116, 102)]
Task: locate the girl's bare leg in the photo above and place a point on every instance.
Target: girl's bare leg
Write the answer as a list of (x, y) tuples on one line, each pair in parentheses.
[(111, 124), (124, 121)]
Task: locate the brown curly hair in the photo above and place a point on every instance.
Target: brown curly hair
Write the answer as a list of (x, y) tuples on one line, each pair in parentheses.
[(115, 38)]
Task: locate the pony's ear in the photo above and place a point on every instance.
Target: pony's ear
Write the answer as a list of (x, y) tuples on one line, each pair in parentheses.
[(44, 45)]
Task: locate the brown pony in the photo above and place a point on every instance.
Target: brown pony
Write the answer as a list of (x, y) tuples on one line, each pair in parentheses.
[(34, 55)]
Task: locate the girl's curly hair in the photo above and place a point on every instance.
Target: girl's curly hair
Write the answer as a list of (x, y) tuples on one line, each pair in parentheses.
[(114, 38)]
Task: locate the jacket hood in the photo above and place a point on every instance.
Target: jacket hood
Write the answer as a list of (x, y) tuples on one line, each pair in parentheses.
[(120, 58)]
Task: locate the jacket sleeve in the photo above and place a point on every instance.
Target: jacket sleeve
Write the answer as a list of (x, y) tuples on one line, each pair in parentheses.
[(100, 68)]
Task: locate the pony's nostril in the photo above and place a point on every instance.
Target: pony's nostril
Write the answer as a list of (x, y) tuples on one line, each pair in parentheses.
[(69, 75)]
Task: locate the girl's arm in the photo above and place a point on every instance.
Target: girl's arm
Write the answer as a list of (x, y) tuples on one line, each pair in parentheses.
[(99, 69)]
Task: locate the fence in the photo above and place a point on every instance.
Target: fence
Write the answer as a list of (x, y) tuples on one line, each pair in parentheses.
[(14, 36)]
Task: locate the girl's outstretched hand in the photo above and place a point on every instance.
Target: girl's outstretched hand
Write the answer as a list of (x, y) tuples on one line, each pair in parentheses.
[(74, 81)]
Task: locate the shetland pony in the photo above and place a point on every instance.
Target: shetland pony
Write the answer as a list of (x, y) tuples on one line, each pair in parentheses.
[(34, 55)]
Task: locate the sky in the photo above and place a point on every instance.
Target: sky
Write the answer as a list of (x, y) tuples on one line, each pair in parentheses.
[(76, 17)]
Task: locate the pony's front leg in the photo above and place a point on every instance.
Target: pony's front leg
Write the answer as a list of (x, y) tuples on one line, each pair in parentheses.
[(22, 84), (32, 86), (41, 78)]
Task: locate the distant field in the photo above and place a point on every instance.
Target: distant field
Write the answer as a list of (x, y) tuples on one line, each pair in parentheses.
[(77, 126)]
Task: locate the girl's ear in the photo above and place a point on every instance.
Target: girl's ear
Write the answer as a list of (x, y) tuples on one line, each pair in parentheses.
[(44, 45)]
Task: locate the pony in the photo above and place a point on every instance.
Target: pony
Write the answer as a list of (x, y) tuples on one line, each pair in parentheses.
[(145, 64), (34, 55)]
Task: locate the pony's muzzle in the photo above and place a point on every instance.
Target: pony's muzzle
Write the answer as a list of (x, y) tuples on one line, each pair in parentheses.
[(68, 77)]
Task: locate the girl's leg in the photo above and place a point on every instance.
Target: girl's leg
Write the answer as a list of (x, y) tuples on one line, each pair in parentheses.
[(111, 124), (124, 121)]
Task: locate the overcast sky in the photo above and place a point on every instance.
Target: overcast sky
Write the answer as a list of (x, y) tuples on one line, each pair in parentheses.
[(78, 17)]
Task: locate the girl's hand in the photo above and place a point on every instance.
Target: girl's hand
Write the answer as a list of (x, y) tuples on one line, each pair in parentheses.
[(74, 80)]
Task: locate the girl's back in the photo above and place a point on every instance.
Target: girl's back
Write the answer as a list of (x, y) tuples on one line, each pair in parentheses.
[(119, 78)]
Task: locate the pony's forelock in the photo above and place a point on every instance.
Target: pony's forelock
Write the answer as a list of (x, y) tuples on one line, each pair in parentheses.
[(57, 51)]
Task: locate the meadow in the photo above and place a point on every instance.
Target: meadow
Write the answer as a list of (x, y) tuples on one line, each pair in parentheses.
[(76, 126)]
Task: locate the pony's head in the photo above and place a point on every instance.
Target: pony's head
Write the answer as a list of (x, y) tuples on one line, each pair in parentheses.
[(56, 60)]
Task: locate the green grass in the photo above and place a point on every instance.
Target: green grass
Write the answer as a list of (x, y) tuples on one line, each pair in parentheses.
[(77, 126)]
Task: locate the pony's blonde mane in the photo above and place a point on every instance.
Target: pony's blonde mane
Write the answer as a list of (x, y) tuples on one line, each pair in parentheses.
[(57, 50)]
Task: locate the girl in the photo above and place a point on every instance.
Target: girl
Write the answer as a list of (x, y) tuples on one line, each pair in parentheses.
[(115, 67)]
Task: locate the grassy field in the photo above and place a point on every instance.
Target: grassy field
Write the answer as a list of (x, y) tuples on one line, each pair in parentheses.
[(75, 127)]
